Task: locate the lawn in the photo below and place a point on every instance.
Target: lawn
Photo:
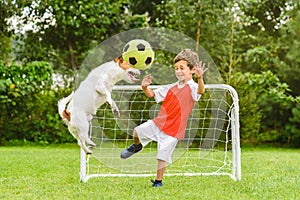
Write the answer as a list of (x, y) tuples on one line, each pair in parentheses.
[(52, 172)]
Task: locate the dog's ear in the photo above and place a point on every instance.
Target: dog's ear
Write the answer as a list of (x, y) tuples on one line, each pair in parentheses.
[(67, 115)]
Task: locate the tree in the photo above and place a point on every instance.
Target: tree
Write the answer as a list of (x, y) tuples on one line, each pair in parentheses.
[(262, 21), (7, 10), (288, 60), (66, 30)]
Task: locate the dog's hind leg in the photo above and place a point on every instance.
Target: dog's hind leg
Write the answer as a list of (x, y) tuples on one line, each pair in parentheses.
[(84, 147), (80, 141), (81, 121)]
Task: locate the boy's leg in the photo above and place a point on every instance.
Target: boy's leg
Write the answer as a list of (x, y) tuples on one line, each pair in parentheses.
[(166, 146), (136, 139), (132, 149), (142, 135), (161, 168)]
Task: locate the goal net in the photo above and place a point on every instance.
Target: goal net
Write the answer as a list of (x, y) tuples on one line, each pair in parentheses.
[(211, 145)]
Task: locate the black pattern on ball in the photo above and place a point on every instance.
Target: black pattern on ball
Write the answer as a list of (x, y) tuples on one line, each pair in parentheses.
[(148, 61), (126, 48), (141, 47), (132, 61)]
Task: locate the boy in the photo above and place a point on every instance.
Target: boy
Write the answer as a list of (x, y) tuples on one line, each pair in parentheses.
[(178, 101)]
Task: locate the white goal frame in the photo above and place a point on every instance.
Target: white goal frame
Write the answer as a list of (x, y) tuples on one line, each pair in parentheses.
[(235, 152)]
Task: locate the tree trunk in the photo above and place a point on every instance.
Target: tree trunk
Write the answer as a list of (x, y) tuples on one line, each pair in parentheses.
[(72, 56)]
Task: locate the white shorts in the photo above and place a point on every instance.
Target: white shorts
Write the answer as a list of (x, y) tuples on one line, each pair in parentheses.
[(148, 132)]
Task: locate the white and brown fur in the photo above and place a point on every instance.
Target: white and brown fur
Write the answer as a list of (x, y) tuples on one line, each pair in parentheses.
[(78, 108)]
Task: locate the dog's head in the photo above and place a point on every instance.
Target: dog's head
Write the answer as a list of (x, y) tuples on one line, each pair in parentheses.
[(131, 75)]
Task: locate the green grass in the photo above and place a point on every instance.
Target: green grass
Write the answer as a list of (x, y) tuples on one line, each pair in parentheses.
[(52, 172)]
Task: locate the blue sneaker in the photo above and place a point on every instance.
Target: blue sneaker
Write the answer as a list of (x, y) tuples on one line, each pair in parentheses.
[(132, 149), (156, 184)]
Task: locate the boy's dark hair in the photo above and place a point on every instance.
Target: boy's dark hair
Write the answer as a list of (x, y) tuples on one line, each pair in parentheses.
[(189, 56)]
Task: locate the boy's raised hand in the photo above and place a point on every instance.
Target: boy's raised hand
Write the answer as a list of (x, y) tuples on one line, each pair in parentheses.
[(200, 69), (147, 81)]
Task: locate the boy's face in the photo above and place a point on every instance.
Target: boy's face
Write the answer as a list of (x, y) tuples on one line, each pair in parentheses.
[(183, 72)]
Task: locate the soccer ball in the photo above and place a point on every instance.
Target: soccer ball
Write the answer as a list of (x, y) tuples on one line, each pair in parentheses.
[(139, 54)]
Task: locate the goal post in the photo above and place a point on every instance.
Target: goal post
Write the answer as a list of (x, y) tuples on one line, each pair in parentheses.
[(211, 145)]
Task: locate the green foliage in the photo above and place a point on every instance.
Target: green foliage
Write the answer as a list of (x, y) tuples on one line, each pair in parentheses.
[(259, 58), (292, 131), (270, 39), (250, 113), (247, 41), (266, 108), (7, 10), (20, 81), (261, 21), (211, 24), (288, 53), (264, 15), (29, 106), (71, 28), (5, 49)]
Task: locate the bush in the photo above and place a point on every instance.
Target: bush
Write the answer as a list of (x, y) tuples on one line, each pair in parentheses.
[(268, 112), (250, 114), (29, 105)]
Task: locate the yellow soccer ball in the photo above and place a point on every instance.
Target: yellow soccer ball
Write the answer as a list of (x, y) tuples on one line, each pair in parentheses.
[(139, 54)]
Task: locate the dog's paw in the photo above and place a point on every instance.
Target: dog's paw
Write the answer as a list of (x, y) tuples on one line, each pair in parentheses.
[(116, 112), (84, 147), (109, 101), (90, 143)]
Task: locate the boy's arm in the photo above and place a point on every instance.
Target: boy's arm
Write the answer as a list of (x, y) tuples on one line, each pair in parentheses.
[(201, 88), (200, 70), (145, 83)]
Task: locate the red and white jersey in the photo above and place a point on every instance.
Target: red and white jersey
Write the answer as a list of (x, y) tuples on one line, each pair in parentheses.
[(178, 102)]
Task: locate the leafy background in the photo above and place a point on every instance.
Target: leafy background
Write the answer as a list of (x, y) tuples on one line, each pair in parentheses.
[(254, 44)]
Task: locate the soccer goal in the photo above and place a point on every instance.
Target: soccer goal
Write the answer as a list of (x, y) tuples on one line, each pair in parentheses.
[(211, 145)]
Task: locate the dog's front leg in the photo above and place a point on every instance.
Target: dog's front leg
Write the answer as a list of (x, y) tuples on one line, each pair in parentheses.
[(115, 108), (113, 104), (107, 94), (103, 91)]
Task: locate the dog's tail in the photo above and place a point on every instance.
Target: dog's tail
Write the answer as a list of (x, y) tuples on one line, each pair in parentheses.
[(62, 103)]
